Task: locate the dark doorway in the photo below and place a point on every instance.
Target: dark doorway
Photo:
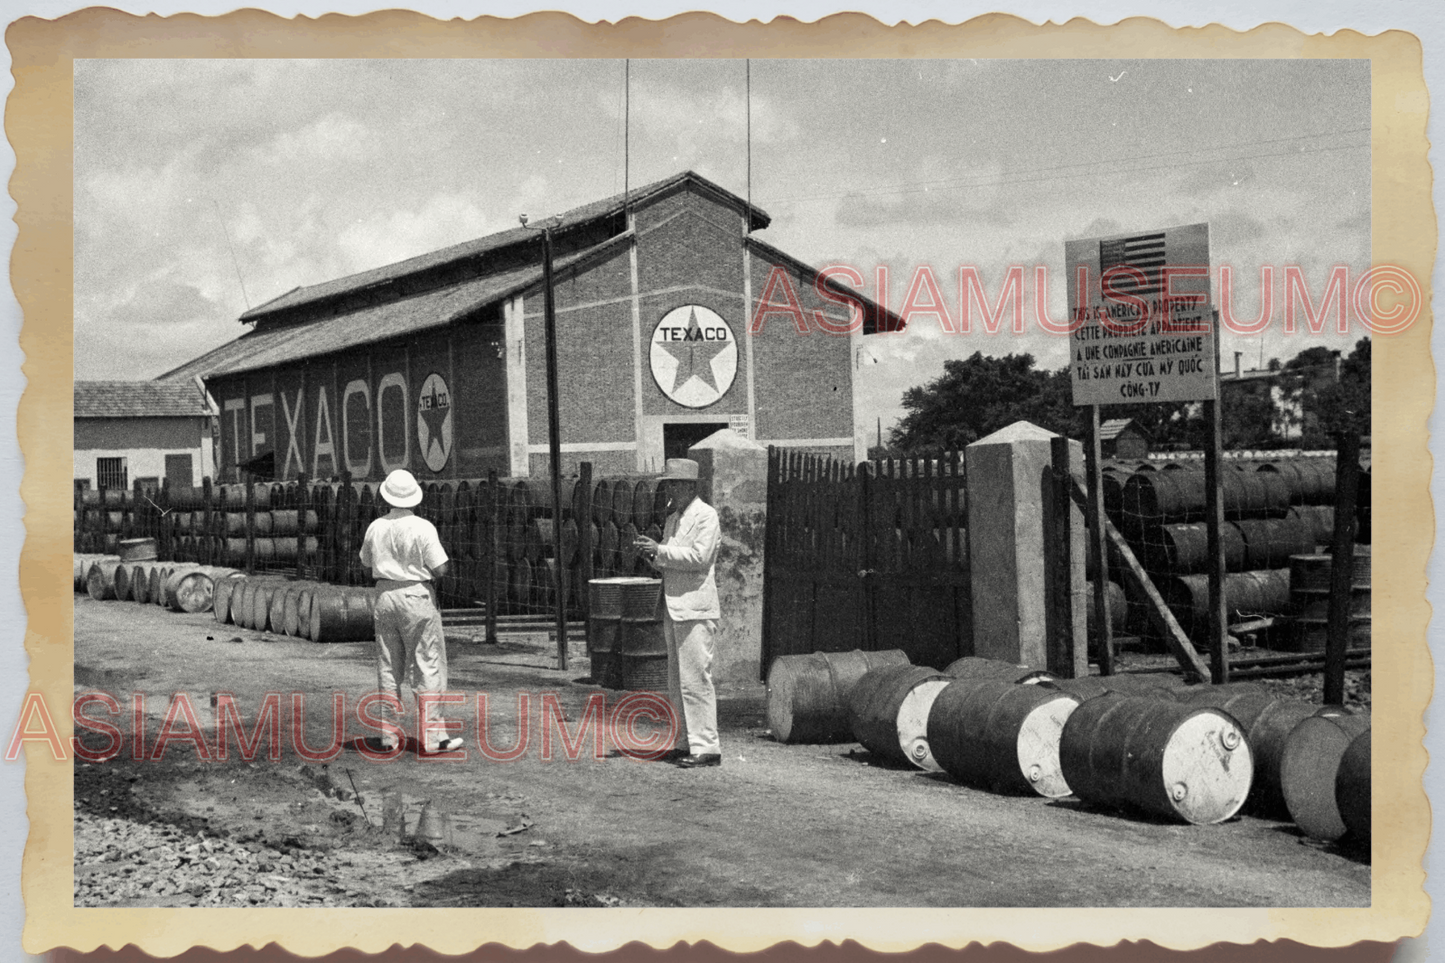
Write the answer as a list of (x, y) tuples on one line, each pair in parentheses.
[(178, 471), (677, 439)]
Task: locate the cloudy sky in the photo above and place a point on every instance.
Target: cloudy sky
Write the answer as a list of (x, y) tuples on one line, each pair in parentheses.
[(204, 186)]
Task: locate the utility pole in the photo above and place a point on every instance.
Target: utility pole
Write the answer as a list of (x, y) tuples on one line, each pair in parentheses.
[(554, 441)]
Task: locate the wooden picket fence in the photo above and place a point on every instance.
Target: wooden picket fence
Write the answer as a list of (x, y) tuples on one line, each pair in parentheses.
[(870, 556)]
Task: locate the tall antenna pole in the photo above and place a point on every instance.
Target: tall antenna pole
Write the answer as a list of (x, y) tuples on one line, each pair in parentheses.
[(626, 135), (235, 263), (748, 96)]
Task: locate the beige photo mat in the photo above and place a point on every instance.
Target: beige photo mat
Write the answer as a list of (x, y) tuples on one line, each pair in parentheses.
[(39, 126)]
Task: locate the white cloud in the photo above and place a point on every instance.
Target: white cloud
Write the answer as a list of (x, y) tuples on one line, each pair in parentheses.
[(327, 139), (444, 219)]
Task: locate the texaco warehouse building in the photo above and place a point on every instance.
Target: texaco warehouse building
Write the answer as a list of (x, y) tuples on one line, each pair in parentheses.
[(437, 364)]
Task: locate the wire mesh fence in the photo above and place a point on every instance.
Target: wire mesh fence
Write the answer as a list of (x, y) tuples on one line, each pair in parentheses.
[(1279, 524), (502, 534)]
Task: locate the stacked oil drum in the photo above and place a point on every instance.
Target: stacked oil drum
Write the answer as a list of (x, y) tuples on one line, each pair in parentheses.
[(1138, 743), (500, 538), (507, 536), (102, 519), (1274, 512)]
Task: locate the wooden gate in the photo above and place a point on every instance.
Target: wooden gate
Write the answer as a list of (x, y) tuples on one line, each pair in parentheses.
[(873, 556)]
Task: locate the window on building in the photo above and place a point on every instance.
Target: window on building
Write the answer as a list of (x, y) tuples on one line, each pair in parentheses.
[(110, 473)]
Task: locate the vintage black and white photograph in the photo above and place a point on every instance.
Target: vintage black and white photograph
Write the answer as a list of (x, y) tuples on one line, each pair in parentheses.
[(724, 483)]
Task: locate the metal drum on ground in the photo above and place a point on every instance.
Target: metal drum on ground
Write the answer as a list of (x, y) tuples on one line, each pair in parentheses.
[(977, 667), (874, 703), (1163, 757), (1311, 764), (808, 694), (1352, 788), (913, 723), (1003, 737)]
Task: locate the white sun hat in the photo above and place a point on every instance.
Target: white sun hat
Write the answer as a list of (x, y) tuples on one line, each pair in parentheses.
[(400, 489)]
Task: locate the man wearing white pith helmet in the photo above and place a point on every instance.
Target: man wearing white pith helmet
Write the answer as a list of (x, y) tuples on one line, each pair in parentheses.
[(686, 557), (405, 557)]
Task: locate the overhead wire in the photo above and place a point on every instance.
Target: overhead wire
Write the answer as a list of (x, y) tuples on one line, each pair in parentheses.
[(1015, 177)]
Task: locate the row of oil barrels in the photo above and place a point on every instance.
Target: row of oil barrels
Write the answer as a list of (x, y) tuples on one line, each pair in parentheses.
[(275, 522), (268, 552), (97, 543), (106, 520), (1182, 548), (311, 610), (619, 509), (112, 498), (1299, 592), (1129, 742), (179, 586), (316, 611), (1175, 491)]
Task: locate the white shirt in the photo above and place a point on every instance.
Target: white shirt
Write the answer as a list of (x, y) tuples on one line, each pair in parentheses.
[(402, 547)]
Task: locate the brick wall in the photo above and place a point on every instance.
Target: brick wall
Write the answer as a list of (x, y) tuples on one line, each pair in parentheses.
[(804, 381), (365, 404)]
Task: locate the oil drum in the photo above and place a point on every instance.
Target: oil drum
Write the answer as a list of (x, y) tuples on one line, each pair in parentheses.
[(808, 694), (100, 580), (913, 715), (1267, 724), (1352, 788), (1311, 764), (1164, 757), (343, 615), (977, 668), (874, 703), (1000, 736)]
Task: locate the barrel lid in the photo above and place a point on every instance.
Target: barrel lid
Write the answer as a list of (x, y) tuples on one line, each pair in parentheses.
[(625, 580), (1207, 767)]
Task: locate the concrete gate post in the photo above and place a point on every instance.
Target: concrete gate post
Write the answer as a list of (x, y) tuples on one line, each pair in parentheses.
[(1011, 528), (733, 478)]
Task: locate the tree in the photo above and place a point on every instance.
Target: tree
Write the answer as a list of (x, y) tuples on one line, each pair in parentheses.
[(977, 396), (1344, 405)]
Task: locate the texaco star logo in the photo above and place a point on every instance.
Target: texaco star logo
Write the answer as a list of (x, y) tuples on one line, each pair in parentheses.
[(434, 422), (694, 356)]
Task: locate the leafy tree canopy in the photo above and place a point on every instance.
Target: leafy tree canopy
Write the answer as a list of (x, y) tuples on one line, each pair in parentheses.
[(978, 395)]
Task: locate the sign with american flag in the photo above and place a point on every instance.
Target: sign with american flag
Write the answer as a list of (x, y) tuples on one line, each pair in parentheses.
[(1143, 318)]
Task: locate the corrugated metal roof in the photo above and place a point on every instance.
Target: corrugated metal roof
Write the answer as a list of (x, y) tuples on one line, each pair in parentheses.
[(139, 399), (1111, 428), (576, 217), (283, 344)]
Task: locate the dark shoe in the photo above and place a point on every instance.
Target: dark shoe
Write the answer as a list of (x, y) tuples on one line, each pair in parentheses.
[(697, 762), (672, 755)]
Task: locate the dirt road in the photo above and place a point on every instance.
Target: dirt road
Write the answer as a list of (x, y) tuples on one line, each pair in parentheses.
[(774, 826)]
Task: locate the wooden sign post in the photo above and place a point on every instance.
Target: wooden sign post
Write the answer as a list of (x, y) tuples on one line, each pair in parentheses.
[(1098, 544), (1142, 330)]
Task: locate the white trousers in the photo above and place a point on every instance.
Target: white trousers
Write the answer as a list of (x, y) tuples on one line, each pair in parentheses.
[(411, 647), (691, 647)]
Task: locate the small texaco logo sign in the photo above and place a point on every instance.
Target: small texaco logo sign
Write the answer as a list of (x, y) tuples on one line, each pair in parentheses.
[(434, 422), (694, 356)]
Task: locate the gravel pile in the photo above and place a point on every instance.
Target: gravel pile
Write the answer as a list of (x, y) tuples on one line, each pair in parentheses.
[(119, 862)]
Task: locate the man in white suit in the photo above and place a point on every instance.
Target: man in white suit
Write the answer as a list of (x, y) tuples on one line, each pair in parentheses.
[(685, 558)]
